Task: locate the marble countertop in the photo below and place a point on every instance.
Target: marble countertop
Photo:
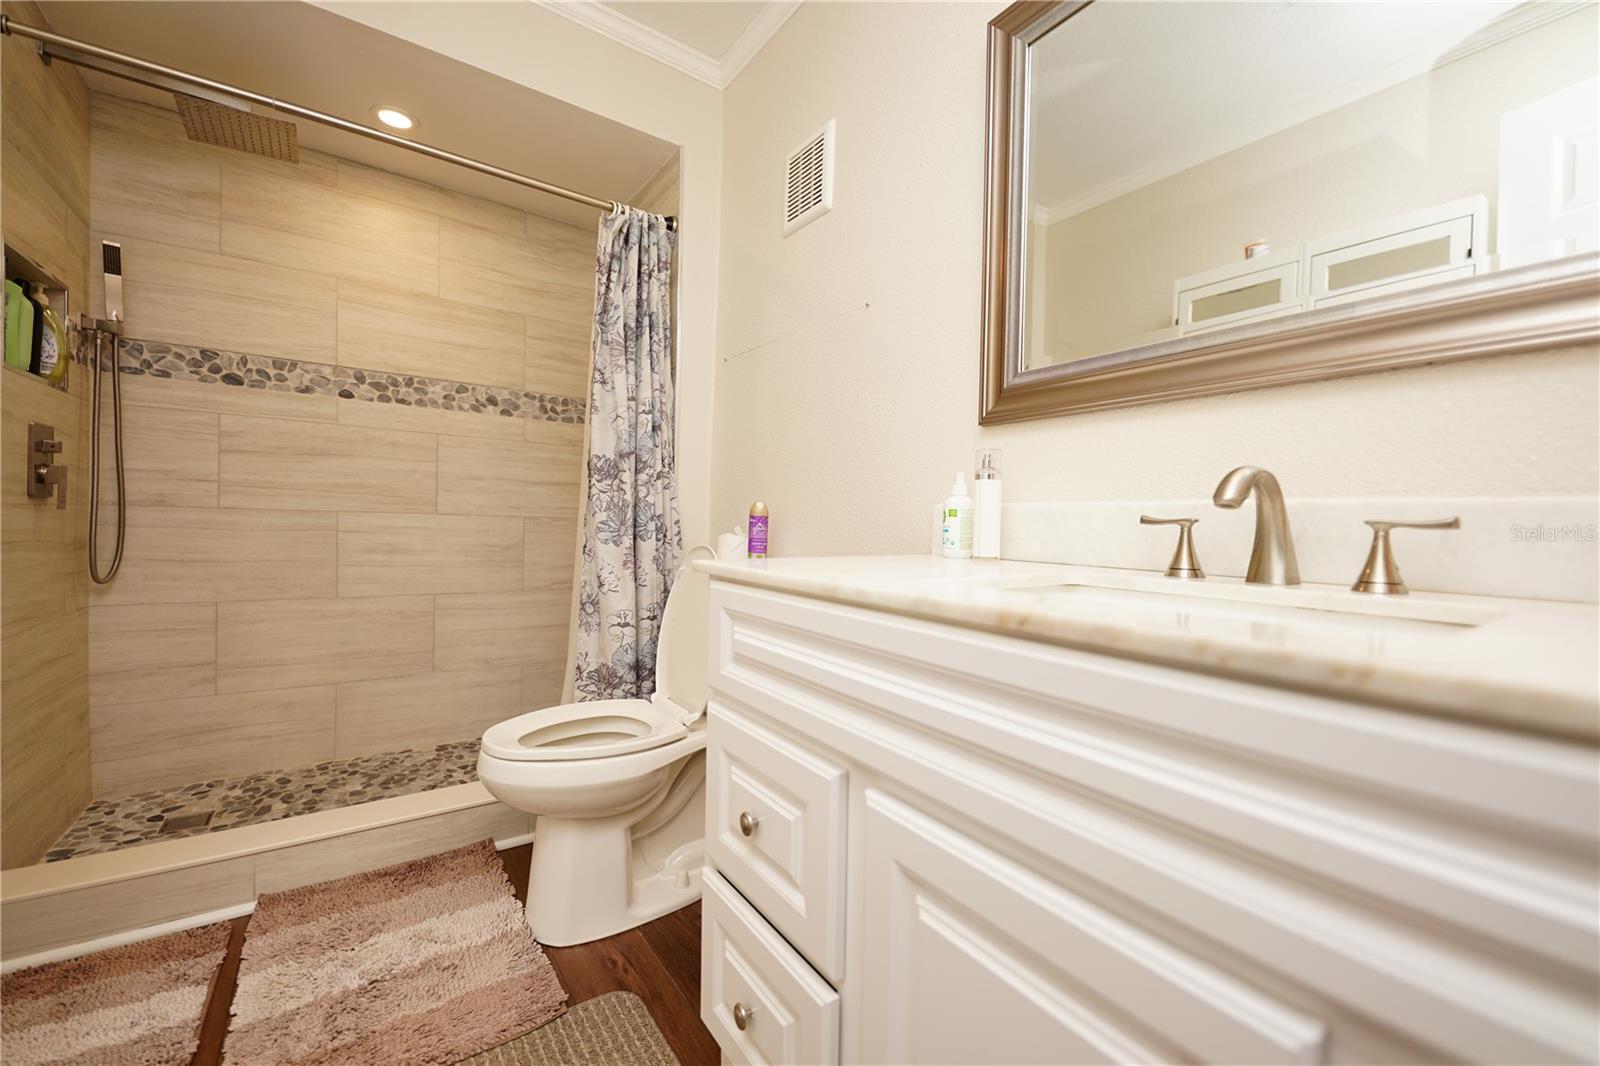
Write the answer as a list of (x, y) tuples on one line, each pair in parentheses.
[(1527, 664)]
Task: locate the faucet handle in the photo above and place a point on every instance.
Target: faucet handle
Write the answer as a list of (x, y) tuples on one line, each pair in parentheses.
[(1381, 574), (1185, 564)]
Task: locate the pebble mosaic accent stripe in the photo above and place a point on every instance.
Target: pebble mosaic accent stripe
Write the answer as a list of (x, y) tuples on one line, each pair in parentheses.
[(109, 824), (162, 360)]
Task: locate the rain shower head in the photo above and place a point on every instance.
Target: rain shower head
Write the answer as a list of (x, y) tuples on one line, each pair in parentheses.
[(227, 126)]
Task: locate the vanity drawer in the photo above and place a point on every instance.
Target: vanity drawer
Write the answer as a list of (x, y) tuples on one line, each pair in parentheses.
[(775, 827), (745, 966)]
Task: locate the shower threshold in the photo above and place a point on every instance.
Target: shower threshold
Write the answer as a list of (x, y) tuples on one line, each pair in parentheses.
[(265, 796)]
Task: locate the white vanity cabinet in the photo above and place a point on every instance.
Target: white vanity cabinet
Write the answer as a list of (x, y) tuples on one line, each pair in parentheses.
[(971, 848)]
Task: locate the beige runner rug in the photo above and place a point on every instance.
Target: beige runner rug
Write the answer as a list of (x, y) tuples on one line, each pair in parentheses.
[(137, 1005), (607, 1030), (427, 962)]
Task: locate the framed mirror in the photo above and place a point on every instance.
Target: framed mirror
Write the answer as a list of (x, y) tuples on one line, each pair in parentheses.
[(1194, 198)]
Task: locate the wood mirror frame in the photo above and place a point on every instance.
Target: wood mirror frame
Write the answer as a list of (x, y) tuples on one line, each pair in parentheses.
[(1523, 309)]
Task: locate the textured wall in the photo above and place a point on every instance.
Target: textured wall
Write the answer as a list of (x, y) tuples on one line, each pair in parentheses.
[(314, 571), (44, 703), (849, 419)]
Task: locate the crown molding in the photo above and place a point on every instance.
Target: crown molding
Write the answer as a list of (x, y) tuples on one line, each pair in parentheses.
[(663, 49), (636, 35), (755, 37)]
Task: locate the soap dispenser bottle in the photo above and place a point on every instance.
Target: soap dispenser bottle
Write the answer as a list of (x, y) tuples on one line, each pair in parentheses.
[(986, 500), (956, 542)]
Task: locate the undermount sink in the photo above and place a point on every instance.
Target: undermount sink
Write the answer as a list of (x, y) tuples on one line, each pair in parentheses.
[(1312, 603)]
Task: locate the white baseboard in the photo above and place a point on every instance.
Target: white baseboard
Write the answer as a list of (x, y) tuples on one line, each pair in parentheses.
[(127, 936), (178, 925)]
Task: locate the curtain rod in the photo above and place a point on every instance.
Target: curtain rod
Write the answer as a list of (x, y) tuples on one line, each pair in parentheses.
[(45, 37)]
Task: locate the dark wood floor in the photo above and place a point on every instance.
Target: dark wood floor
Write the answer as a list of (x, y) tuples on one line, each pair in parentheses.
[(659, 962)]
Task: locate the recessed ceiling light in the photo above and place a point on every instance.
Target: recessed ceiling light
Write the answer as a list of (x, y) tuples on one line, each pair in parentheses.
[(393, 117)]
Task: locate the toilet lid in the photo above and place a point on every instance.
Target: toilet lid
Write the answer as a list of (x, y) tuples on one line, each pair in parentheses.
[(585, 731), (681, 642)]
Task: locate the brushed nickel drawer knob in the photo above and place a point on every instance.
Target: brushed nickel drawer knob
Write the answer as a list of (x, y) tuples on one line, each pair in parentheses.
[(747, 826), (741, 1016)]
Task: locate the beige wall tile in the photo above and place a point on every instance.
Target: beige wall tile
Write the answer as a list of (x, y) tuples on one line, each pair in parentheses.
[(268, 462), (534, 478), (181, 315), (227, 399), (136, 222), (407, 333), (447, 203), (35, 534), (43, 735), (201, 555), (152, 652), (550, 547), (542, 681), (166, 743), (57, 920), (342, 856), (414, 712), (428, 420), (136, 165), (557, 339), (293, 224), (312, 642), (46, 110), (486, 629), (171, 457), (190, 296), (44, 730), (386, 555), (479, 266)]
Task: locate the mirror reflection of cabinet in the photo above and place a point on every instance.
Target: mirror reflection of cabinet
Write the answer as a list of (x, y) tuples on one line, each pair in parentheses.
[(1422, 248), (1409, 251), (1246, 291)]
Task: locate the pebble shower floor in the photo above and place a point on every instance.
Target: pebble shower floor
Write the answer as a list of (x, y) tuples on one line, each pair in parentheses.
[(124, 821)]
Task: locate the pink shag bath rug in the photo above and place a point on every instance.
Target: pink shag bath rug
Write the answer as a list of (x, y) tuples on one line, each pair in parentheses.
[(427, 962), (137, 1005)]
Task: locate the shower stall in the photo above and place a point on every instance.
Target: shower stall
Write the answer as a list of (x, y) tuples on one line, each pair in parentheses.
[(319, 449)]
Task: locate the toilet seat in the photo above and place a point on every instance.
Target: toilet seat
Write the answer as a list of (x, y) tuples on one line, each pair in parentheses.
[(586, 730), (603, 728)]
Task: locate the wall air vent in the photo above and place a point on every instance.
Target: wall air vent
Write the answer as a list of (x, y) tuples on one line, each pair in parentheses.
[(808, 184)]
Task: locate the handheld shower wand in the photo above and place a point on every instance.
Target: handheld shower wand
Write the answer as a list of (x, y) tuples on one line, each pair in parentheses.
[(106, 331)]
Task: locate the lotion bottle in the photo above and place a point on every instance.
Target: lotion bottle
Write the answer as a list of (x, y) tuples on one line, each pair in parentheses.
[(986, 501), (957, 539)]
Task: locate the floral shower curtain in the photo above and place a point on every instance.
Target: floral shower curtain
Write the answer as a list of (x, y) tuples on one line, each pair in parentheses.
[(631, 536)]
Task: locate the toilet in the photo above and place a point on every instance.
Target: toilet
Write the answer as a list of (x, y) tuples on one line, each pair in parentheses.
[(618, 788)]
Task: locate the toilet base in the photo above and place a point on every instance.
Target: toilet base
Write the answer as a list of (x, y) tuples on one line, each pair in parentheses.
[(587, 879)]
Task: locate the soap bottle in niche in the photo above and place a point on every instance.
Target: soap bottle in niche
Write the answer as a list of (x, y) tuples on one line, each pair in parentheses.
[(757, 538), (957, 539), (986, 504)]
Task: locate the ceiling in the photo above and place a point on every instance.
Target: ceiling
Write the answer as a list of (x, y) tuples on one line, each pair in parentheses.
[(300, 53), (711, 40), (1172, 85)]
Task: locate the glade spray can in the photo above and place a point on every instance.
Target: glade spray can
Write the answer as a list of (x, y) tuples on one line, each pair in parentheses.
[(758, 530)]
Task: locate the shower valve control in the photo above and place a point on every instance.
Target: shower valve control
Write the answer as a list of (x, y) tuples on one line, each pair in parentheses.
[(44, 476)]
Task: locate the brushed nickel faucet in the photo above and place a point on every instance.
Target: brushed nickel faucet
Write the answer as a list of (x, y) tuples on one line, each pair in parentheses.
[(1381, 574), (1272, 560)]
